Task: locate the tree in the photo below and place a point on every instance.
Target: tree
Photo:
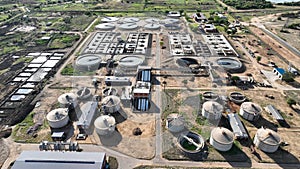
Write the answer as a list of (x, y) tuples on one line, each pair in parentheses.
[(290, 101), (258, 58), (161, 43), (288, 77)]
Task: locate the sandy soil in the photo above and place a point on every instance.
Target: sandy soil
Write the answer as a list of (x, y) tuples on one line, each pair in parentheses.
[(275, 46), (275, 25), (123, 140), (4, 149)]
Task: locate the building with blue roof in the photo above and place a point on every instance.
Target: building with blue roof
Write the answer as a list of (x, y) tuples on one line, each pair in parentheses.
[(279, 72)]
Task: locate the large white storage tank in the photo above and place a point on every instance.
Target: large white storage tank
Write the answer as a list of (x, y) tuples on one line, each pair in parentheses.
[(111, 104), (105, 125), (267, 140), (221, 139), (58, 118), (175, 123), (250, 111), (212, 110), (88, 62), (66, 99)]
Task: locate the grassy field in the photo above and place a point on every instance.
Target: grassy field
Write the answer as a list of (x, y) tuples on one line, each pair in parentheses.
[(61, 41), (20, 131)]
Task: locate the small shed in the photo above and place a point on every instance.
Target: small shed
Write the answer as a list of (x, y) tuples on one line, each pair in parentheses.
[(278, 72)]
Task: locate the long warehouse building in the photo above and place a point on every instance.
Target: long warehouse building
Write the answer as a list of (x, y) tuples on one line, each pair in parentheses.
[(61, 160)]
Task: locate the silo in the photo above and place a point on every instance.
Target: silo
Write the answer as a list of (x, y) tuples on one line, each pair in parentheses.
[(250, 111), (267, 140), (105, 125), (175, 123), (66, 99), (58, 118), (221, 138), (212, 110), (111, 104)]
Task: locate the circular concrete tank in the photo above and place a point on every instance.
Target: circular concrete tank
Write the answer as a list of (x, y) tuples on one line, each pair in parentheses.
[(105, 26), (109, 91), (212, 110), (152, 26), (237, 97), (210, 96), (109, 19), (105, 125), (83, 93), (128, 26), (131, 20), (152, 20), (175, 123), (267, 140), (190, 143), (111, 104), (250, 111), (58, 118), (88, 62), (230, 63), (186, 62), (170, 21), (221, 139), (131, 61), (66, 99)]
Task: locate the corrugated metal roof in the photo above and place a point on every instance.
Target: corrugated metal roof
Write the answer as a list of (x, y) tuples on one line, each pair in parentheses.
[(275, 113), (237, 126), (59, 160), (280, 70)]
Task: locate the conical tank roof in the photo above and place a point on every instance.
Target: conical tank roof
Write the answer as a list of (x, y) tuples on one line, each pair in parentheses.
[(213, 107), (268, 136), (222, 135), (105, 122), (251, 107), (57, 114), (67, 98)]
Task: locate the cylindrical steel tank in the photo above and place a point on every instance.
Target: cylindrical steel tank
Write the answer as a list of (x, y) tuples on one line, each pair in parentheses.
[(250, 111), (212, 110), (111, 104), (105, 125), (58, 118), (221, 139), (267, 140), (66, 99), (175, 123)]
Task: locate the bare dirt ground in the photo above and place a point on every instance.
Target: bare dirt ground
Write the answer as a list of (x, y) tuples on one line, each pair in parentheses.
[(258, 96), (4, 149), (276, 46), (275, 25), (284, 154), (123, 140)]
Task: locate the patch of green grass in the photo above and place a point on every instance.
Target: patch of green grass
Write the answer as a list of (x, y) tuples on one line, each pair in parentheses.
[(68, 70), (3, 17), (23, 59), (62, 41), (19, 133)]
